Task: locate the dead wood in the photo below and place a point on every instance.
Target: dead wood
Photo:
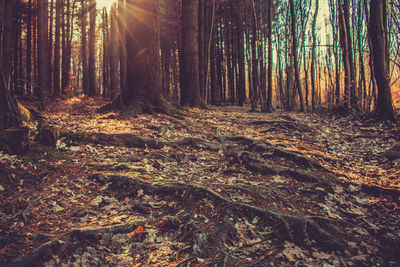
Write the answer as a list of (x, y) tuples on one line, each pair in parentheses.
[(47, 134)]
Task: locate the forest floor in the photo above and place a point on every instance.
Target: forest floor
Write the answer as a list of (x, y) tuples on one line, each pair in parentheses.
[(216, 187)]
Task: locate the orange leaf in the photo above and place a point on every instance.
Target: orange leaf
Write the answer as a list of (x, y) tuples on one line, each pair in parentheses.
[(139, 230)]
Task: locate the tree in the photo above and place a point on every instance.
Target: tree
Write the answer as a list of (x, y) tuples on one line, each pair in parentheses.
[(85, 68), (380, 53), (28, 85), (294, 52), (190, 83), (92, 48), (122, 43), (270, 65), (314, 37), (114, 50), (43, 52), (9, 114), (57, 50), (143, 88)]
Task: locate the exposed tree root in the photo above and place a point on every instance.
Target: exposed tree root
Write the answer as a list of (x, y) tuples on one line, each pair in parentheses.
[(42, 254), (380, 190), (260, 167), (287, 125), (289, 227), (269, 149), (131, 140)]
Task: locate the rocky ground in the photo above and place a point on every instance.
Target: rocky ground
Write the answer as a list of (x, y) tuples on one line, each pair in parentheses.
[(216, 187)]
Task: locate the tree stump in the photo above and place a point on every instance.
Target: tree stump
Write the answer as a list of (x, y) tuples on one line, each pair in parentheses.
[(47, 134), (15, 141)]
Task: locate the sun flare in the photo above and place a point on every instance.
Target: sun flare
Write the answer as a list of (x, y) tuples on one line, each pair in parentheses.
[(105, 3)]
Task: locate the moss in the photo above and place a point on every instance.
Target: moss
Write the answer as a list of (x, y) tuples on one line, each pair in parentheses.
[(43, 155), (25, 113)]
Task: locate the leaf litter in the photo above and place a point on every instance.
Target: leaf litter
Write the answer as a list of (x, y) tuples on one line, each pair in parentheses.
[(182, 202)]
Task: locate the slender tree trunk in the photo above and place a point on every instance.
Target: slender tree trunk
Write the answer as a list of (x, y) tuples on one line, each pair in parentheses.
[(28, 85), (210, 38), (353, 83), (122, 14), (7, 41), (93, 90), (114, 50), (362, 82), (313, 92), (66, 48), (241, 54), (50, 45), (270, 63), (57, 50), (295, 59), (85, 68), (345, 53), (105, 52), (43, 52)]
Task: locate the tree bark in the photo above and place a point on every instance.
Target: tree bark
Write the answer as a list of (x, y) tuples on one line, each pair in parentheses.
[(270, 63), (57, 50), (85, 68), (43, 52), (314, 37), (92, 48), (380, 53), (143, 53), (294, 52), (122, 43), (114, 51), (28, 84), (190, 83)]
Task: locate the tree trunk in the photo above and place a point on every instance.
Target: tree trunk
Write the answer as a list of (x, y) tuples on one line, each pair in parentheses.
[(92, 48), (28, 84), (67, 47), (43, 52), (345, 53), (84, 60), (380, 53), (7, 40), (241, 54), (314, 36), (190, 83), (353, 83), (114, 51), (143, 54), (50, 45), (57, 50), (270, 63), (122, 14), (294, 54)]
